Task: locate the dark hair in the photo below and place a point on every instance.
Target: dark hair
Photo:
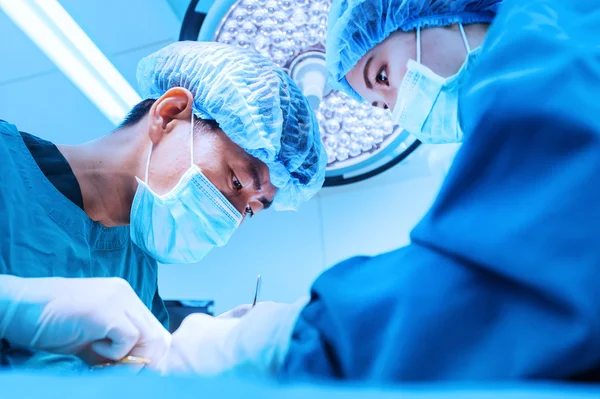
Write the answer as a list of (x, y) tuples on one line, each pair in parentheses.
[(141, 109), (137, 113)]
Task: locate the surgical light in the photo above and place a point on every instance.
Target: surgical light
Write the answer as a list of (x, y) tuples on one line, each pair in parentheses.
[(360, 140), (53, 30)]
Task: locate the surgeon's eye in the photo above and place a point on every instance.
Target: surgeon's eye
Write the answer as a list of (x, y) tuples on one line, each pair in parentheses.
[(249, 211), (382, 77), (236, 184)]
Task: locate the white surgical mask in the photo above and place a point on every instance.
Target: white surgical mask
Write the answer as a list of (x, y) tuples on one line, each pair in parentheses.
[(183, 225), (427, 104)]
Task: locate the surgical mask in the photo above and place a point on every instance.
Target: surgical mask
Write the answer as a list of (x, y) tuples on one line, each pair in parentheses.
[(427, 104), (183, 225)]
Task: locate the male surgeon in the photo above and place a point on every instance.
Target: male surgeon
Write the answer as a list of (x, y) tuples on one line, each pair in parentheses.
[(222, 135)]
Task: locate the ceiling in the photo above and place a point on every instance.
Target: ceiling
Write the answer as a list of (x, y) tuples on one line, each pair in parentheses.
[(39, 99)]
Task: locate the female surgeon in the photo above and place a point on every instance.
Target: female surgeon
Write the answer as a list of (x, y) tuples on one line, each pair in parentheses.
[(500, 279), (223, 134), (411, 56)]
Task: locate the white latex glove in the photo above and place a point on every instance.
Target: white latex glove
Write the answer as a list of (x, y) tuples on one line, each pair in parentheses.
[(255, 343), (235, 313), (238, 311), (94, 318)]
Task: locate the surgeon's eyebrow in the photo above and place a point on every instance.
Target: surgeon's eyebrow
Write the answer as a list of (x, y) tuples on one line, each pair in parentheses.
[(366, 73), (265, 202), (252, 169)]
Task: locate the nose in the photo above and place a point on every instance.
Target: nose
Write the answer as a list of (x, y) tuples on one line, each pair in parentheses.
[(390, 98), (380, 104), (240, 202), (387, 100)]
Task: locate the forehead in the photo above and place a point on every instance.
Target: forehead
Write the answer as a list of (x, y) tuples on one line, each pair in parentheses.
[(355, 76), (395, 43), (236, 155), (360, 65), (225, 146)]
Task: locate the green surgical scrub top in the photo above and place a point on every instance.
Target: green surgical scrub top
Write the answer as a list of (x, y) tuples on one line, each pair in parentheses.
[(44, 234)]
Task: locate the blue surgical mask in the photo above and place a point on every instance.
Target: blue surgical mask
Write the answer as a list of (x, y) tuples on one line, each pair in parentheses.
[(183, 225), (427, 104)]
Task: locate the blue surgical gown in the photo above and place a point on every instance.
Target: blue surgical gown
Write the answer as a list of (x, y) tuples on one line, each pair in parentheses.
[(502, 277), (44, 234)]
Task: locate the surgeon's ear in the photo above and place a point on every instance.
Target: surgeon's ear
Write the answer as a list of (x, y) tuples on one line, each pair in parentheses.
[(173, 106)]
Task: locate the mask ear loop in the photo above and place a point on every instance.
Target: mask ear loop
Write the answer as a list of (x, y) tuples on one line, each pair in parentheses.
[(464, 36), (148, 163), (192, 139), (419, 45)]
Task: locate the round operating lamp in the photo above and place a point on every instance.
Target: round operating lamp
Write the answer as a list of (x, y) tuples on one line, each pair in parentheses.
[(361, 141)]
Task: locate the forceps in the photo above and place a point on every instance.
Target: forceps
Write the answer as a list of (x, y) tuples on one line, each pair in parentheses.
[(257, 291)]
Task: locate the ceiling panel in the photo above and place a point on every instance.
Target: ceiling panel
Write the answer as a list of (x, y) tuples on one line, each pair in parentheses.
[(37, 97), (20, 56), (118, 26), (50, 106), (126, 63)]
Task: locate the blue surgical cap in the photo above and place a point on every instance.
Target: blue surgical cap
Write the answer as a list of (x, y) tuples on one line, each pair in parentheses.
[(356, 26), (254, 102)]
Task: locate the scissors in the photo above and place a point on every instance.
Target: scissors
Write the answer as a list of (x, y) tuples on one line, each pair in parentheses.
[(257, 291)]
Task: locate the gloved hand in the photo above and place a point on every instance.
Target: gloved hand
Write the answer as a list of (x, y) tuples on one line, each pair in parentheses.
[(256, 343), (238, 311), (81, 316)]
